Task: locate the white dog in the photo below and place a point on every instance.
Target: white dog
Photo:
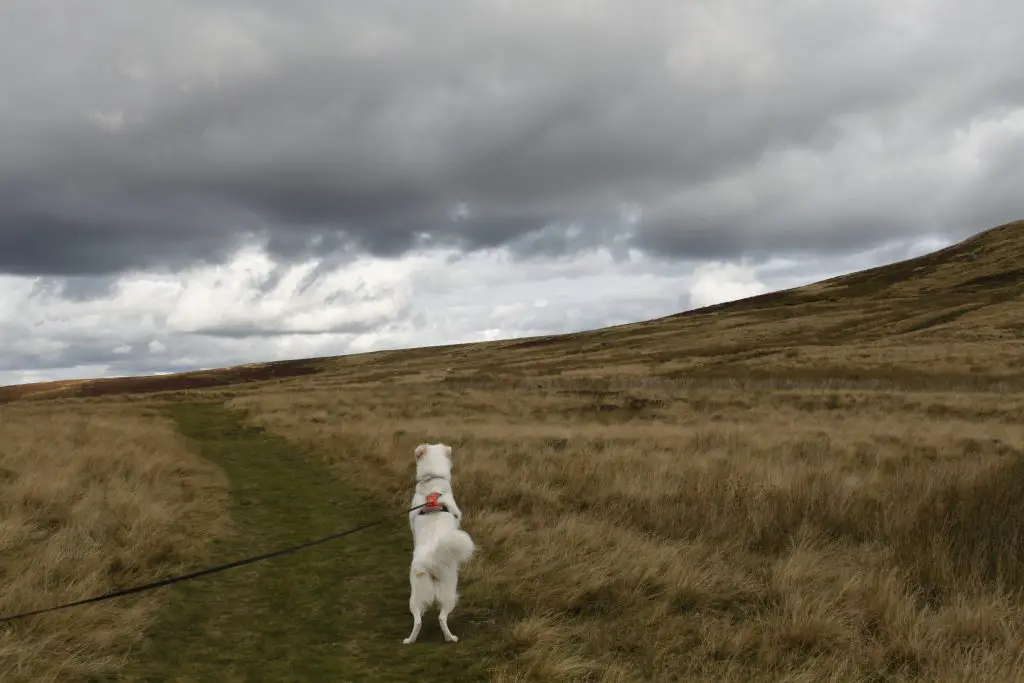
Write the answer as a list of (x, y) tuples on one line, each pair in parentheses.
[(440, 547)]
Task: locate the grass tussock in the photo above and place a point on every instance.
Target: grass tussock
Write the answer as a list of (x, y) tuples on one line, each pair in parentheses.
[(92, 499), (714, 534)]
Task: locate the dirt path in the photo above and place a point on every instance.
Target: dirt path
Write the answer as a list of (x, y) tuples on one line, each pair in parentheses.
[(336, 612)]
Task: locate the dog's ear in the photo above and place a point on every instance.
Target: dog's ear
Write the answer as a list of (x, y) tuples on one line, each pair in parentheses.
[(448, 450), (420, 451)]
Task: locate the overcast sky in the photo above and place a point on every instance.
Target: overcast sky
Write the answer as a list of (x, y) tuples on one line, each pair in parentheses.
[(190, 184)]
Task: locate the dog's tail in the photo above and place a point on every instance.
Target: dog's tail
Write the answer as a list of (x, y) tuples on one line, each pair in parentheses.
[(451, 550)]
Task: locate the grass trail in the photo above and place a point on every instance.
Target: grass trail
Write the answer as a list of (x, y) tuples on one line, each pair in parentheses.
[(334, 612)]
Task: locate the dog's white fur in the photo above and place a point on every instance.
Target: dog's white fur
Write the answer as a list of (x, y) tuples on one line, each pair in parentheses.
[(440, 546)]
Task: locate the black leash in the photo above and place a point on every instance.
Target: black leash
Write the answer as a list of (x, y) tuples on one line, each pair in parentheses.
[(202, 572)]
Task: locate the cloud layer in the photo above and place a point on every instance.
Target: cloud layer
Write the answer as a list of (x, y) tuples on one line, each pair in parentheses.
[(159, 134)]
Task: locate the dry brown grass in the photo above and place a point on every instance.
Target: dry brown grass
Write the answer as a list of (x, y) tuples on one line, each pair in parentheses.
[(714, 534), (91, 499)]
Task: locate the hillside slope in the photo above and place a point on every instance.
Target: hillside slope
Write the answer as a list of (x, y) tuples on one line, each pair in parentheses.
[(956, 312)]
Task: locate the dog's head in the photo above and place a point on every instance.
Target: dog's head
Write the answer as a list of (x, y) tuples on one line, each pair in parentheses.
[(433, 459)]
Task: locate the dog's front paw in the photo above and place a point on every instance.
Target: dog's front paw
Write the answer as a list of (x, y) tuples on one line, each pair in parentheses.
[(453, 639), (408, 641)]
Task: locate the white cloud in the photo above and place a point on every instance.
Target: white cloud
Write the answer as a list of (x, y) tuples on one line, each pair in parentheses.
[(716, 282), (226, 298)]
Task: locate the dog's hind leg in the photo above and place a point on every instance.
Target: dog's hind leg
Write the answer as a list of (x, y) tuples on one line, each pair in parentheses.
[(447, 595), (442, 619), (417, 622), (421, 595)]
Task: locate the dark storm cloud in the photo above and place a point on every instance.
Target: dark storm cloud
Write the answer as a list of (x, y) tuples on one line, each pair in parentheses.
[(51, 232), (161, 134)]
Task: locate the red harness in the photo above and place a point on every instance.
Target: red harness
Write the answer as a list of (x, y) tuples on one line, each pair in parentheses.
[(433, 504)]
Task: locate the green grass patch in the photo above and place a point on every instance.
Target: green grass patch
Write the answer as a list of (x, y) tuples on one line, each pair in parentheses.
[(334, 612)]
